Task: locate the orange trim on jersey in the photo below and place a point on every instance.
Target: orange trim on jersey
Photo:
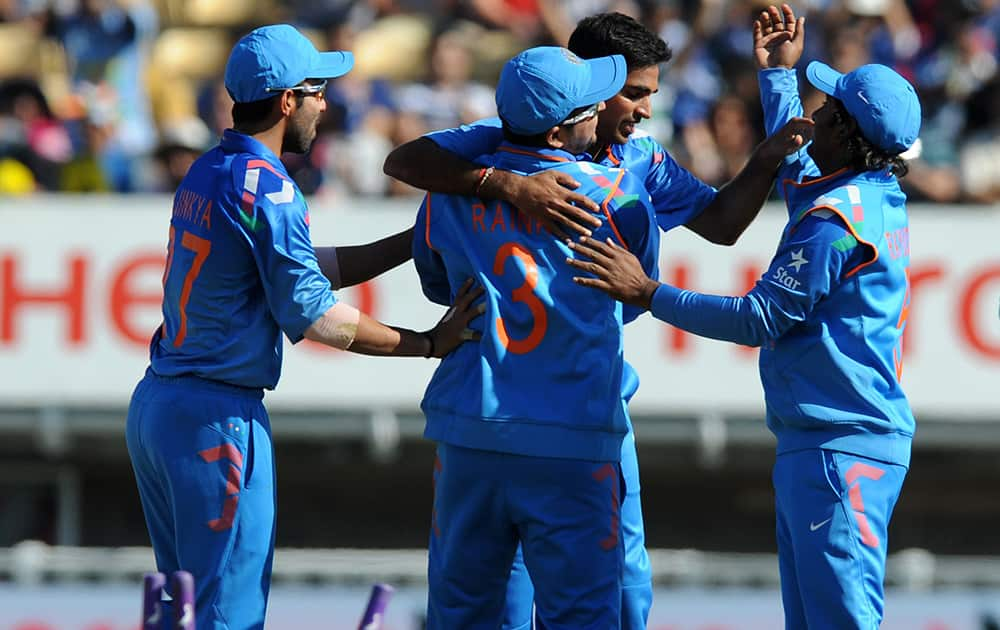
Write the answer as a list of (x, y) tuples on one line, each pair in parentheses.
[(611, 156), (540, 156), (427, 229), (850, 227), (264, 164), (824, 178), (607, 213)]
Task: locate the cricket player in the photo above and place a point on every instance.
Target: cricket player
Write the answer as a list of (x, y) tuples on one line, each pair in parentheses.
[(829, 316), (438, 163), (240, 272), (529, 422)]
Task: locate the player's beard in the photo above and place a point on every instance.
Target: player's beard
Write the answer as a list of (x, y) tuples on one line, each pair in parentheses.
[(300, 133)]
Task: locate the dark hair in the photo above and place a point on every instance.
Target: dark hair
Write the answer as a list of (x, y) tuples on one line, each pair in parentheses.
[(251, 116), (537, 140), (618, 34), (865, 156)]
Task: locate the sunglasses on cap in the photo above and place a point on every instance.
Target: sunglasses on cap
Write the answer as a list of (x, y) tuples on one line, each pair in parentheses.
[(309, 89), (586, 114)]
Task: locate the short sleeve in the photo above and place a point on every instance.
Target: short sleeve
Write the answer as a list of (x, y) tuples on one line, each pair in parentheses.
[(476, 142), (677, 195), (274, 221)]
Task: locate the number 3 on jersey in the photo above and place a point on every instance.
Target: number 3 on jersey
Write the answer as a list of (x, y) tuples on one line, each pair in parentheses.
[(201, 248), (524, 294)]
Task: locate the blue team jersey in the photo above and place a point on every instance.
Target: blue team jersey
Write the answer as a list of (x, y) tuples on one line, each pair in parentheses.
[(677, 195), (240, 269), (829, 312), (546, 378)]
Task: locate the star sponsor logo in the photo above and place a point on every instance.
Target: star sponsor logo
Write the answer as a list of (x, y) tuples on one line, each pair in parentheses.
[(798, 259)]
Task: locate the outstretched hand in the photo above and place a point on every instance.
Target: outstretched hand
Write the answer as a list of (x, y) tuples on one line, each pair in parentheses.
[(548, 198), (778, 38), (453, 329), (616, 271)]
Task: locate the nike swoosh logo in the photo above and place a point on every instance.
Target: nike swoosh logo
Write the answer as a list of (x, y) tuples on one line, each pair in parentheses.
[(154, 619), (375, 623), (814, 526)]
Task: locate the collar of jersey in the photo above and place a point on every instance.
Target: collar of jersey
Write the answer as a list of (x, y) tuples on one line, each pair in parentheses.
[(809, 186), (236, 142), (516, 157)]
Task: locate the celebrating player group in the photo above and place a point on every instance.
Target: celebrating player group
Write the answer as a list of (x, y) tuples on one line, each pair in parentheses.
[(539, 236)]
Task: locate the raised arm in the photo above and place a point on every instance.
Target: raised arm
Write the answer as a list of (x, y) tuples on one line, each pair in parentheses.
[(547, 196), (778, 38), (737, 203)]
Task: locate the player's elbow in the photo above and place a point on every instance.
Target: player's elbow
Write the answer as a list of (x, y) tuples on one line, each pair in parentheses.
[(727, 238), (402, 162), (394, 165)]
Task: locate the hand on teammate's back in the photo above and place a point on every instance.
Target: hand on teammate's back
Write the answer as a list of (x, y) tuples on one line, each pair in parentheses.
[(548, 197), (616, 271), (778, 38), (453, 329)]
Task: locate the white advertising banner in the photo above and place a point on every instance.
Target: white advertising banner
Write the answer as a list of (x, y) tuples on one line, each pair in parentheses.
[(80, 289), (103, 607)]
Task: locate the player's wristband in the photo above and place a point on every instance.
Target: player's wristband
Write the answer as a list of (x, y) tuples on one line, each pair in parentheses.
[(430, 345), (484, 174)]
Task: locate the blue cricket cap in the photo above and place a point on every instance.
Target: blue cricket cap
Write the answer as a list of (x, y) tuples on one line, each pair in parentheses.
[(273, 58), (884, 103), (541, 86)]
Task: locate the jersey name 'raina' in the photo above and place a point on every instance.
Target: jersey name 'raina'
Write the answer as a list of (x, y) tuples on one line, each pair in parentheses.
[(193, 208), (502, 218)]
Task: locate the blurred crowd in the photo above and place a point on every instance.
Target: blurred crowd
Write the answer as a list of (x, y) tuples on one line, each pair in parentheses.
[(122, 95)]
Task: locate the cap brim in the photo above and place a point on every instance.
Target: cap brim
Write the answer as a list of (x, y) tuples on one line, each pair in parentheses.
[(607, 76), (332, 64), (823, 77)]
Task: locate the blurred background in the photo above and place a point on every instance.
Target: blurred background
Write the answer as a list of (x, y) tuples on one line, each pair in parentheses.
[(103, 106)]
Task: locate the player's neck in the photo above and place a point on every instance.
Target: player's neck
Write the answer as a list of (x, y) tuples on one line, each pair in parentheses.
[(597, 150), (272, 138)]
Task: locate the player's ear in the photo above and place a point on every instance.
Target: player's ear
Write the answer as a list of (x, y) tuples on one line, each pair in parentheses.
[(288, 102), (554, 137)]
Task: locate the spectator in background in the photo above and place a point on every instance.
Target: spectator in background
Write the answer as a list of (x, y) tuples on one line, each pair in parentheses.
[(719, 146), (358, 129), (181, 142), (979, 154), (560, 17), (31, 135), (93, 128), (448, 96), (104, 42)]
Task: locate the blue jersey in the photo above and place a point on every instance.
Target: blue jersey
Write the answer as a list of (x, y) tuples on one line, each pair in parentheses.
[(830, 311), (546, 379), (677, 195), (240, 269)]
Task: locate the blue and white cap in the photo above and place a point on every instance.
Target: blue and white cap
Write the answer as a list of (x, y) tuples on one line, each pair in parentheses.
[(883, 102), (541, 86), (273, 58)]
